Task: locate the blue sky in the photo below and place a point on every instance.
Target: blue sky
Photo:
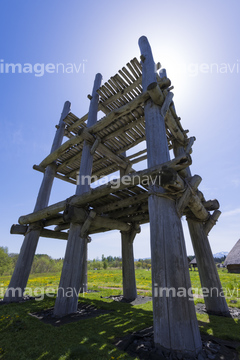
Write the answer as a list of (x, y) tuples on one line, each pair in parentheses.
[(198, 44)]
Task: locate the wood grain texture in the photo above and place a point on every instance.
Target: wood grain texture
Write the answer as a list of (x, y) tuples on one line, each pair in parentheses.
[(74, 267), (207, 269), (175, 323), (136, 178)]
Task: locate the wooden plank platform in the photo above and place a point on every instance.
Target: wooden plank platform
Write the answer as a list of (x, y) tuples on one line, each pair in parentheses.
[(115, 131)]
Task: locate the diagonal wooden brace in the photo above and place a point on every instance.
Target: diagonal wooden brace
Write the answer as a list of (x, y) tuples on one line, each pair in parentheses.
[(211, 221), (87, 224), (190, 144), (166, 104), (95, 145), (185, 198)]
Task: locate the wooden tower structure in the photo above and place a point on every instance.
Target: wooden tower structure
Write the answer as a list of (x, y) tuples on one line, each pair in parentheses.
[(138, 105)]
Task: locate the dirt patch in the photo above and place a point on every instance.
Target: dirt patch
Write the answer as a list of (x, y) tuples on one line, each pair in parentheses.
[(138, 301)]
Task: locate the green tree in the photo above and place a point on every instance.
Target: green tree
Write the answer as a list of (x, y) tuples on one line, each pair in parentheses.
[(5, 260)]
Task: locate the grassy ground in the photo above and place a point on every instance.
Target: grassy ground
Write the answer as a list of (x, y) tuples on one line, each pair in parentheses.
[(26, 338)]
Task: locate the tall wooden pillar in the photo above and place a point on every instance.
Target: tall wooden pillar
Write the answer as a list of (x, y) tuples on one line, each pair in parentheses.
[(70, 282), (174, 317), (24, 263), (128, 270), (213, 294), (84, 278)]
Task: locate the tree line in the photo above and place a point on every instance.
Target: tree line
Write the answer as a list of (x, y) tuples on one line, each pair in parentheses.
[(43, 263)]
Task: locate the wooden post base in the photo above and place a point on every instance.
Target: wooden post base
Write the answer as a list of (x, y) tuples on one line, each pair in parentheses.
[(22, 269), (128, 271), (69, 286), (84, 278), (174, 317)]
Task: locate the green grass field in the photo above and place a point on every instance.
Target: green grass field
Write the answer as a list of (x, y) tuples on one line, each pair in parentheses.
[(26, 338)]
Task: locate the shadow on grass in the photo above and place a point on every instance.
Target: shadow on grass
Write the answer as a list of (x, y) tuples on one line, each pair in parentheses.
[(221, 327), (225, 327), (23, 337)]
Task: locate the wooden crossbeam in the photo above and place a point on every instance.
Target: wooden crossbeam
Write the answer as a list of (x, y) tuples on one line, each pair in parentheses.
[(122, 203), (78, 122), (55, 154), (58, 176), (21, 230), (84, 134), (80, 216), (136, 178)]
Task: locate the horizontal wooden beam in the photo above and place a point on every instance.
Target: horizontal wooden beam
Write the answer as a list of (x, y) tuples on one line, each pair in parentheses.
[(65, 146), (78, 122), (58, 176), (140, 158), (79, 215), (18, 229), (132, 210), (136, 178), (101, 221), (141, 218), (56, 220), (69, 161), (22, 229), (136, 154), (211, 205), (54, 234), (135, 199)]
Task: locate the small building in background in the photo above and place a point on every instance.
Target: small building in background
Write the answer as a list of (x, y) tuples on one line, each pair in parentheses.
[(232, 261)]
